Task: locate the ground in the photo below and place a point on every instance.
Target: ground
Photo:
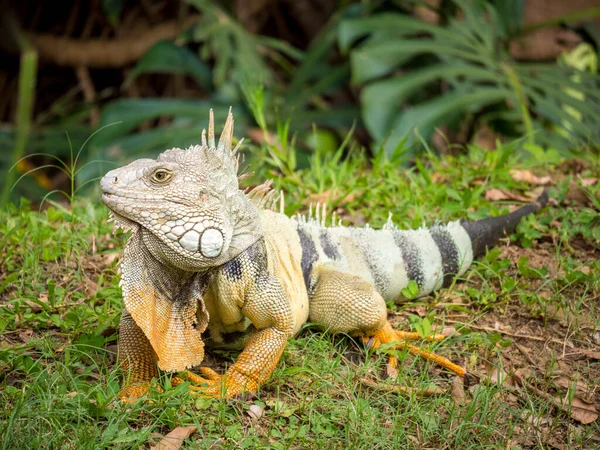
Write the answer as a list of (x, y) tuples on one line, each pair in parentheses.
[(525, 321)]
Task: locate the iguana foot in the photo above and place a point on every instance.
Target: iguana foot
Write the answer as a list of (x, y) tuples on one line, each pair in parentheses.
[(213, 385), (387, 335)]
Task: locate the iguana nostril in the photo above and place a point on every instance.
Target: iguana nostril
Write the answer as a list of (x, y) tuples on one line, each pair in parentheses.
[(116, 180)]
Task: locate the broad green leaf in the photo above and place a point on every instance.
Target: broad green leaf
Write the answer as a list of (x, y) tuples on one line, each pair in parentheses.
[(352, 29), (133, 112), (382, 101), (425, 116), (159, 139), (166, 57), (335, 117), (380, 58), (314, 67)]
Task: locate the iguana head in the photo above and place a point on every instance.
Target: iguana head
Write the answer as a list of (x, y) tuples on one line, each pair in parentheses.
[(187, 203)]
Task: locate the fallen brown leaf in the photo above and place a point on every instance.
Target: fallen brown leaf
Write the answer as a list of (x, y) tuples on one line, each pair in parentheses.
[(458, 391), (497, 375), (495, 195), (583, 412), (577, 190), (448, 331), (579, 410), (528, 177), (590, 353), (587, 182), (174, 439), (326, 196), (582, 390)]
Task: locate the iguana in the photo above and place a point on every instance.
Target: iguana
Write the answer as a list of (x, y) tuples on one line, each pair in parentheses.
[(210, 263)]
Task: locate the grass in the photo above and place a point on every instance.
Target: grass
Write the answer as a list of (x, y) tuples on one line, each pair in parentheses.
[(60, 304)]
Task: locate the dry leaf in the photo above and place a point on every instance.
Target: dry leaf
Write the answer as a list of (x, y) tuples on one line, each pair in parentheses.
[(109, 258), (448, 331), (590, 354), (528, 177), (582, 412), (495, 195), (577, 192), (458, 391), (579, 410), (174, 439), (419, 310), (391, 371), (581, 389), (497, 375), (587, 182)]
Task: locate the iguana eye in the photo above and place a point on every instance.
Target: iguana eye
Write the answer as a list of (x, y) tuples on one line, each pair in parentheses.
[(161, 176)]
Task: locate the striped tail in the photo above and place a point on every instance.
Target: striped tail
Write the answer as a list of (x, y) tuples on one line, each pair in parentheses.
[(391, 258), (434, 257), (487, 232)]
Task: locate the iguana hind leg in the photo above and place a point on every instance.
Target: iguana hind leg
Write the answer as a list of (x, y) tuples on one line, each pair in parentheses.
[(346, 303), (136, 358)]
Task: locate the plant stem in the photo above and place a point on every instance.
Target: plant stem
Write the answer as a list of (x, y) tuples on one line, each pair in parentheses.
[(518, 88), (27, 78)]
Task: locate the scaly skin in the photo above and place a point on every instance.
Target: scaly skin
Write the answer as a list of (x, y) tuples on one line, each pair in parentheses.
[(209, 264)]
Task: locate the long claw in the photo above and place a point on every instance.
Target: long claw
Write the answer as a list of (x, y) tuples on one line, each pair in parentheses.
[(388, 335), (414, 336), (369, 342)]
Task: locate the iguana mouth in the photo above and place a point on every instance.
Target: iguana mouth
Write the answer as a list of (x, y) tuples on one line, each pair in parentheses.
[(122, 222)]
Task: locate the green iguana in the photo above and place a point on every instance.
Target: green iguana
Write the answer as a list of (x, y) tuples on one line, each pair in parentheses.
[(209, 263)]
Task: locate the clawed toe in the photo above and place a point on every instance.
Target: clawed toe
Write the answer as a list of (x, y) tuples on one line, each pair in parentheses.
[(207, 385), (398, 339), (133, 392)]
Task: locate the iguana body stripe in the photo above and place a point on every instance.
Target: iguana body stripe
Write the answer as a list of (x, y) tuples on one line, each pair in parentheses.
[(388, 258), (207, 262)]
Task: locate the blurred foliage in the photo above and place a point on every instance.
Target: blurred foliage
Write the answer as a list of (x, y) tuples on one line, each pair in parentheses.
[(468, 70), (373, 66)]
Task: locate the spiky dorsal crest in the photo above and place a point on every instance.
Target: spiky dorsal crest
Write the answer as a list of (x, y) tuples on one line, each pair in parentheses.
[(224, 147), (226, 139), (263, 195)]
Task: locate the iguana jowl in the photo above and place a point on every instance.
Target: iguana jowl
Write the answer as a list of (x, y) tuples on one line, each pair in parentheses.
[(208, 262)]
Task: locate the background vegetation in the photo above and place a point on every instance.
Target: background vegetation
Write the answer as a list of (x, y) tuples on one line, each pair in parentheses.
[(430, 111)]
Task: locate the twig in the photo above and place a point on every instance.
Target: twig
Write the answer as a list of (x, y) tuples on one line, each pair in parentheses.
[(506, 333), (554, 401), (525, 353), (104, 53)]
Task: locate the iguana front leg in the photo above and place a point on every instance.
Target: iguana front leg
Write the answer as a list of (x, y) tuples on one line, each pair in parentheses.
[(245, 288), (163, 320), (268, 308), (136, 358)]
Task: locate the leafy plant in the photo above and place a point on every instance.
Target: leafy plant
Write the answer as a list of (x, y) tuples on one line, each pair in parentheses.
[(466, 68)]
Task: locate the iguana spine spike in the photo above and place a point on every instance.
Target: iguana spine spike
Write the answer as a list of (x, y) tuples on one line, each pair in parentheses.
[(204, 138), (237, 147), (226, 134), (211, 129)]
